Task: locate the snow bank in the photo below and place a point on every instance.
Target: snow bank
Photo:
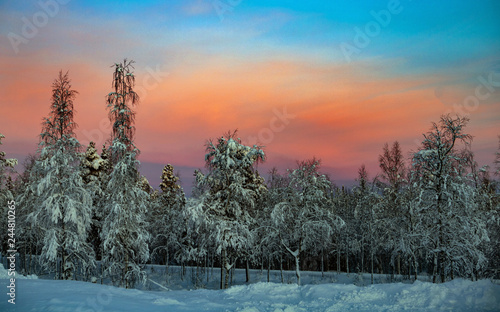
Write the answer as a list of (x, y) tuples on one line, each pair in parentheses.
[(458, 295)]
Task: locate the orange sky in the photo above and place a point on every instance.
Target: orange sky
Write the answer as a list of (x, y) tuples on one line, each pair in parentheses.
[(212, 80)]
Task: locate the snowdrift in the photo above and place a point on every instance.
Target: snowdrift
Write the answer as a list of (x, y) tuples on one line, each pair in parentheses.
[(52, 295)]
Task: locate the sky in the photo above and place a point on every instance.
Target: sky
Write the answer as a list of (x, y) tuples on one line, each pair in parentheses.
[(334, 80)]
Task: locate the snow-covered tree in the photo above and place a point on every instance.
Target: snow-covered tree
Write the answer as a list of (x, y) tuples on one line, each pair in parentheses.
[(29, 235), (64, 213), (5, 162), (367, 214), (6, 196), (447, 202), (303, 218), (166, 216), (93, 166), (94, 170), (267, 245), (63, 210), (232, 194), (344, 204), (124, 235), (392, 209), (406, 241)]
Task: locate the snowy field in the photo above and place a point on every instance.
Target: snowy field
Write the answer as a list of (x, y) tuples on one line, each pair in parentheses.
[(459, 295)]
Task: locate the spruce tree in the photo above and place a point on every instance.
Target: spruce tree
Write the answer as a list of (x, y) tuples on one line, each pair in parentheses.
[(167, 216), (94, 171)]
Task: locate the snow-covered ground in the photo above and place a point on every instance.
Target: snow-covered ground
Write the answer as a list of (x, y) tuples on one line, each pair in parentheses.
[(52, 295)]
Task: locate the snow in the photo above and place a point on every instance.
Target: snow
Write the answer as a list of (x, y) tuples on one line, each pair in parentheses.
[(58, 295)]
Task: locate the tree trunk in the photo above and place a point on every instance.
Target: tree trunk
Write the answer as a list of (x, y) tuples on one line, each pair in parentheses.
[(451, 268), (268, 268), (232, 270), (399, 264), (226, 272), (212, 264), (338, 259), (322, 262), (297, 269), (408, 262), (247, 271), (347, 259), (102, 262), (125, 271), (166, 267), (222, 257), (362, 255), (434, 269), (166, 260), (30, 269), (371, 260), (281, 268), (441, 267), (415, 264), (207, 265)]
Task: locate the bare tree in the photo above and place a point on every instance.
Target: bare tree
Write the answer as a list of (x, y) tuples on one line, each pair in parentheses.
[(392, 165), (497, 159)]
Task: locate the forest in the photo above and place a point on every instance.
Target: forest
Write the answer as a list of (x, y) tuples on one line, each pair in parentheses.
[(90, 216)]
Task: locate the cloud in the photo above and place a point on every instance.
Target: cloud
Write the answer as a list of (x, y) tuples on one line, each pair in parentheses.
[(198, 7)]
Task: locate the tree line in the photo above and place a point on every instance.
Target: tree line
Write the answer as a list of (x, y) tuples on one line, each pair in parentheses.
[(90, 216)]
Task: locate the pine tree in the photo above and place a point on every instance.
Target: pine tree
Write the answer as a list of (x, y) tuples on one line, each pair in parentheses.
[(63, 208), (94, 171), (166, 217)]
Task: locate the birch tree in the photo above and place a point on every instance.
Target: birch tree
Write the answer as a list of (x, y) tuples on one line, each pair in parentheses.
[(303, 219), (447, 202)]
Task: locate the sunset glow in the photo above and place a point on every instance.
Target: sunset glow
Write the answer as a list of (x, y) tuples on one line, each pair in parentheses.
[(201, 71)]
